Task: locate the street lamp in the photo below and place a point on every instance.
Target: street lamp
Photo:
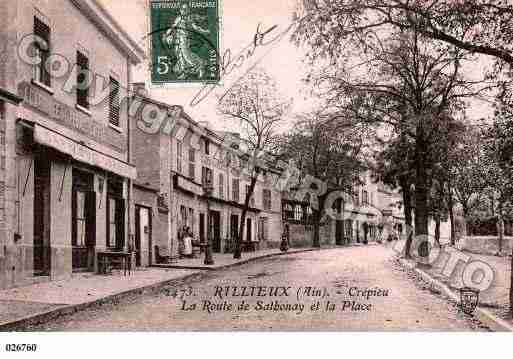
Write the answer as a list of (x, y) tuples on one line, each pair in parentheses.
[(208, 188)]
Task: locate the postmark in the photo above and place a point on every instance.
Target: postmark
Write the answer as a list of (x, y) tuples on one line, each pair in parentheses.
[(185, 41)]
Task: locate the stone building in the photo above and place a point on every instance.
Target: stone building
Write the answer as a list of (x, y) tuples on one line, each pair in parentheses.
[(66, 171), (174, 156)]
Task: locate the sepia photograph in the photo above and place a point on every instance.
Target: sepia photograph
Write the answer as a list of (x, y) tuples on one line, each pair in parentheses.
[(254, 167)]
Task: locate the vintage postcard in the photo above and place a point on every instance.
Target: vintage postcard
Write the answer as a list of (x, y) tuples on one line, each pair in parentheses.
[(255, 166)]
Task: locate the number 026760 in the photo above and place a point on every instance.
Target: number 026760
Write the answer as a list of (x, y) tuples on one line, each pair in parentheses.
[(20, 347)]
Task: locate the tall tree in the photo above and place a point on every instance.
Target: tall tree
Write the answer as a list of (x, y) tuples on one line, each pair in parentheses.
[(476, 26), (409, 85), (258, 107)]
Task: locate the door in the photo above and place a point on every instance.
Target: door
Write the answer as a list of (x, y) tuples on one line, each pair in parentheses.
[(248, 230), (202, 227), (339, 232), (41, 239), (142, 234), (216, 231), (83, 229), (234, 228)]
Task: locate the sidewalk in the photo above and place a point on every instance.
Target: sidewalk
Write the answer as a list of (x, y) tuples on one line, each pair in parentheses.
[(41, 302), (493, 303), (227, 260)]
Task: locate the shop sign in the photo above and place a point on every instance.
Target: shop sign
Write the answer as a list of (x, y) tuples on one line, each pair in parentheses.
[(69, 116), (82, 153)]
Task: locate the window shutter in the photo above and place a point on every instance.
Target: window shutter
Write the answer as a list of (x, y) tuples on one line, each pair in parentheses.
[(114, 102), (82, 94)]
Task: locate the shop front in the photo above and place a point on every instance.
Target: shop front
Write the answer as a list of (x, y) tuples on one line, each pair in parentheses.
[(73, 201)]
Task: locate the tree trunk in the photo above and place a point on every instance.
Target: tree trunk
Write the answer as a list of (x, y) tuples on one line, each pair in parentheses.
[(437, 230), (421, 196), (511, 286), (237, 253), (500, 228), (405, 188), (317, 222), (451, 216)]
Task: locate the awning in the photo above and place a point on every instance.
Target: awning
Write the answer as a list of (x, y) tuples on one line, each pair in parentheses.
[(82, 153)]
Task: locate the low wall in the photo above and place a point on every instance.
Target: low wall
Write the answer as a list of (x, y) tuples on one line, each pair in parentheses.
[(484, 244)]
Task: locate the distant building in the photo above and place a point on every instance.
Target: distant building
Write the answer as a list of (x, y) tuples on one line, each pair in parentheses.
[(363, 213)]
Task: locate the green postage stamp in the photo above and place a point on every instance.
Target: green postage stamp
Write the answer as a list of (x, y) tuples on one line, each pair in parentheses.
[(184, 41)]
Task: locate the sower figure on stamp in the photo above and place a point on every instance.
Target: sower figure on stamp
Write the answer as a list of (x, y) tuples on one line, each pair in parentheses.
[(178, 38)]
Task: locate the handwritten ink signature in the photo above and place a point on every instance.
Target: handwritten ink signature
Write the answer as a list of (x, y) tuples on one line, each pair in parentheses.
[(229, 64)]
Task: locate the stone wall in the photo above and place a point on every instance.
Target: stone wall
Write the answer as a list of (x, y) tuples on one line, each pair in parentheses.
[(484, 244)]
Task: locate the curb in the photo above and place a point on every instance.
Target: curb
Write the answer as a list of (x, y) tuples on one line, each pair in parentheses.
[(46, 316), (240, 262), (495, 323)]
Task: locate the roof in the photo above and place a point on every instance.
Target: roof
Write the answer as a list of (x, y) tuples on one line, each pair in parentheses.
[(99, 16)]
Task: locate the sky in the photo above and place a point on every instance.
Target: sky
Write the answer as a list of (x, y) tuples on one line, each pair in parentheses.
[(239, 21)]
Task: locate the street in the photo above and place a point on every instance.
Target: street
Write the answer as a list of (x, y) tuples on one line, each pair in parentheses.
[(366, 290)]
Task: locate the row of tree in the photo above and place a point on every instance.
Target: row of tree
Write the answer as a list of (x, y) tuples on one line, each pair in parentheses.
[(398, 71)]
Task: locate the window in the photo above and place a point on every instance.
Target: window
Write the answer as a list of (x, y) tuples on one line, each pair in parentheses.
[(207, 147), (114, 102), (348, 227), (192, 166), (298, 212), (190, 219), (221, 185), (43, 52), (266, 199), (80, 219), (178, 156), (183, 216), (206, 175), (263, 229), (82, 80), (356, 197), (235, 189), (365, 198)]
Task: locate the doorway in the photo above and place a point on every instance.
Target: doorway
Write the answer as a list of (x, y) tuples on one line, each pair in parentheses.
[(142, 234), (41, 239), (339, 232), (215, 232), (234, 229), (83, 229)]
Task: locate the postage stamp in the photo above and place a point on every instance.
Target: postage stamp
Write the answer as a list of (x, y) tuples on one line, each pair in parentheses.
[(184, 41)]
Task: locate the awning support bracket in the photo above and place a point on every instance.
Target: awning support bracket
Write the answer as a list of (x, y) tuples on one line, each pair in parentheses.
[(28, 175), (63, 178)]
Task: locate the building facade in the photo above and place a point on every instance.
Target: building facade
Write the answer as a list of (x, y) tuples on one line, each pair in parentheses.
[(366, 212), (174, 161), (68, 178)]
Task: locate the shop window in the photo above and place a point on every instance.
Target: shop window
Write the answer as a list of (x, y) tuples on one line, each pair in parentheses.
[(80, 219), (42, 30), (114, 103), (115, 216), (83, 80)]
